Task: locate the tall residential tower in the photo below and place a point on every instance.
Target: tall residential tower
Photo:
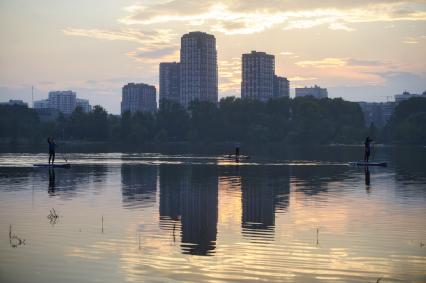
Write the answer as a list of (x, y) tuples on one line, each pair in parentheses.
[(258, 71), (170, 82), (198, 68), (281, 87), (138, 98)]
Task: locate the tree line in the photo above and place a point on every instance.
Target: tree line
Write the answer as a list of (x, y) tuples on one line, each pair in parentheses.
[(302, 120)]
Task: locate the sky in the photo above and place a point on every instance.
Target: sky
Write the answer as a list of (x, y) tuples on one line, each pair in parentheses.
[(359, 50)]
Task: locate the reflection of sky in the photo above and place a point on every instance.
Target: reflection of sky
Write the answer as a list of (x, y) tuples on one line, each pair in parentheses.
[(361, 236)]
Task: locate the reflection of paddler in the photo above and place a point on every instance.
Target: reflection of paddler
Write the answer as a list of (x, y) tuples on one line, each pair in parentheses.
[(237, 151), (51, 180), (367, 178), (367, 148)]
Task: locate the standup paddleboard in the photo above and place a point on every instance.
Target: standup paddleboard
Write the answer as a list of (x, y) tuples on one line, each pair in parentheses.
[(56, 165), (241, 157), (362, 163)]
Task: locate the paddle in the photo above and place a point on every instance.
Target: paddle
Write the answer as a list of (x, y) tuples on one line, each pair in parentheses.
[(373, 151)]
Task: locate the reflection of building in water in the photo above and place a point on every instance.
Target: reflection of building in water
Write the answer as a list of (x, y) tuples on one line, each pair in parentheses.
[(192, 194), (139, 185), (172, 180), (264, 192), (312, 180), (199, 211)]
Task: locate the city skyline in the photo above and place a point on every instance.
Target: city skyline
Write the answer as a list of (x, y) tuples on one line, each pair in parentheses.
[(360, 51)]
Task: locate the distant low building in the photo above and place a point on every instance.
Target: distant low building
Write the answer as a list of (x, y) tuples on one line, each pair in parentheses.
[(41, 104), (138, 98), (84, 104), (281, 87), (377, 113), (170, 81), (12, 102), (406, 95), (63, 101), (47, 114), (314, 91)]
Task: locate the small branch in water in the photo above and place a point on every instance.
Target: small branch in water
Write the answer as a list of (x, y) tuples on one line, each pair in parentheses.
[(317, 236), (14, 240), (102, 224), (139, 240), (53, 216)]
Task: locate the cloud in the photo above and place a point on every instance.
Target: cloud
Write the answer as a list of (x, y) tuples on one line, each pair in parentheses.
[(340, 62), (340, 26), (229, 76), (301, 79), (149, 38), (323, 63), (155, 56), (246, 17), (335, 71), (414, 39), (154, 45), (364, 62)]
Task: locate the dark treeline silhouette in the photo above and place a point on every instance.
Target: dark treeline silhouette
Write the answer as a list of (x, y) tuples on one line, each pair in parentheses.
[(408, 123), (303, 120)]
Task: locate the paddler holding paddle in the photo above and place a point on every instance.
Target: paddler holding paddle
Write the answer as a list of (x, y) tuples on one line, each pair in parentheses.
[(367, 149), (52, 147)]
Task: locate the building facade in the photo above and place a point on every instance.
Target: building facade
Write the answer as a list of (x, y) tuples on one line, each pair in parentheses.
[(64, 101), (281, 87), (198, 68), (84, 104), (138, 98), (406, 95), (41, 104), (314, 91), (170, 81), (377, 113), (13, 102), (258, 71)]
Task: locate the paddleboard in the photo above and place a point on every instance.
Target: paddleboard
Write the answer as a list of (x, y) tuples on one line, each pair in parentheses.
[(362, 163), (239, 157), (56, 165)]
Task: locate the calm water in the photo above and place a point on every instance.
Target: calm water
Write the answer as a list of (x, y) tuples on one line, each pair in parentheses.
[(196, 218)]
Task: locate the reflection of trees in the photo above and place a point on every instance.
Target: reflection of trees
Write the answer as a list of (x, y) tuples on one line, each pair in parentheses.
[(172, 181), (410, 171), (191, 193), (139, 185), (264, 191), (313, 180), (66, 183), (10, 177), (63, 183)]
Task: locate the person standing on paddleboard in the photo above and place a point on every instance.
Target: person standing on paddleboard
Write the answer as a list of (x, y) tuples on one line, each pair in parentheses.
[(237, 150), (52, 147), (367, 149)]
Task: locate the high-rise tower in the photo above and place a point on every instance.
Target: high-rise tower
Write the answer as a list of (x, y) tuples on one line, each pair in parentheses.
[(258, 72), (198, 68), (170, 82)]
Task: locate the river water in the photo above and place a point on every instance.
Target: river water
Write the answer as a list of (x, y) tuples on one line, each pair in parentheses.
[(123, 217)]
